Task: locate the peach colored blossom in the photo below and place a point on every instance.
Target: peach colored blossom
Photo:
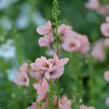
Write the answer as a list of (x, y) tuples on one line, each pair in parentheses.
[(98, 51), (92, 4), (85, 107), (40, 64), (102, 10), (84, 44), (64, 30), (106, 42), (106, 76), (64, 103), (21, 79), (60, 62), (45, 29), (42, 89), (24, 68), (105, 29), (40, 67), (49, 68), (71, 44), (56, 71), (45, 41)]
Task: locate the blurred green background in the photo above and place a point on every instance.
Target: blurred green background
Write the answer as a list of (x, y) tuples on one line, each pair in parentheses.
[(19, 43)]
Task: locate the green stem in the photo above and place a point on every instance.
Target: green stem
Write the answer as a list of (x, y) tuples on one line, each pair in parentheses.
[(91, 80)]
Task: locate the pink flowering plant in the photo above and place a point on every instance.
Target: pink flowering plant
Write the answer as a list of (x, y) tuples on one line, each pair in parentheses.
[(68, 52)]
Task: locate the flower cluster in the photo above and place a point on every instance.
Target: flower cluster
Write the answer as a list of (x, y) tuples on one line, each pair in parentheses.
[(46, 71), (98, 7), (43, 70), (70, 40)]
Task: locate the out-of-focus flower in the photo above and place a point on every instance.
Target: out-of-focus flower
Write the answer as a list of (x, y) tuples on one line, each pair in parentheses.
[(85, 107), (45, 41), (11, 73), (42, 89), (38, 18), (98, 51), (102, 11), (21, 79), (6, 3), (6, 23), (24, 68), (107, 101), (107, 19), (84, 44), (64, 103), (105, 29), (106, 76), (7, 50), (92, 4), (76, 42), (64, 30), (22, 21), (45, 29), (71, 44), (106, 42)]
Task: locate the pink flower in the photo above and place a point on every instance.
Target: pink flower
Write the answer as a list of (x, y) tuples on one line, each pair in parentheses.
[(107, 19), (93, 4), (106, 76), (84, 44), (24, 68), (98, 51), (102, 10), (107, 101), (106, 42), (40, 64), (40, 67), (64, 30), (55, 72), (45, 41), (42, 89), (85, 107), (45, 29), (56, 69), (49, 68), (105, 29), (21, 79), (64, 103), (71, 44)]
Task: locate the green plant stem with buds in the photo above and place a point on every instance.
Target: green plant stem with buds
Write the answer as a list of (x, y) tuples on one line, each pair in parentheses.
[(77, 78), (55, 15)]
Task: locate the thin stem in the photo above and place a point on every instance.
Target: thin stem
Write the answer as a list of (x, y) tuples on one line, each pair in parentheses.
[(55, 14)]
